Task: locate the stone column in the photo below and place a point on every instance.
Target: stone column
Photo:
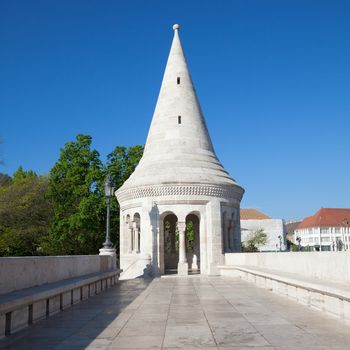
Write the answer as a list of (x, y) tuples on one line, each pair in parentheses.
[(130, 239), (133, 235), (137, 240), (182, 266)]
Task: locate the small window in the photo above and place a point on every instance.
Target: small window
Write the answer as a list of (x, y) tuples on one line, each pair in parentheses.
[(179, 119), (178, 80)]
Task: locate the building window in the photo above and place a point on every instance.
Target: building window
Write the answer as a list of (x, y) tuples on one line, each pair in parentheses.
[(324, 230), (337, 230), (178, 80), (179, 119)]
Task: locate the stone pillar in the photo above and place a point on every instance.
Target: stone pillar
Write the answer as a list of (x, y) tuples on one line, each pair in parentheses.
[(182, 266), (112, 253), (133, 235), (130, 238), (137, 240)]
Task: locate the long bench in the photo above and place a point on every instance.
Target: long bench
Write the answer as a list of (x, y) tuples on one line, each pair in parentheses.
[(23, 307), (333, 298)]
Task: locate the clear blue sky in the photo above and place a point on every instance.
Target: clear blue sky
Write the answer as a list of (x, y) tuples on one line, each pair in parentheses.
[(273, 79)]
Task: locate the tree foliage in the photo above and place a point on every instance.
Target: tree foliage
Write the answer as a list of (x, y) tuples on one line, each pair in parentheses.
[(254, 241), (4, 179), (75, 194), (76, 191), (25, 214), (121, 163), (64, 213)]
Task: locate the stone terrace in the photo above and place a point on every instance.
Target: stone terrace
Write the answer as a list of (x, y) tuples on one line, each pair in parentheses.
[(189, 312)]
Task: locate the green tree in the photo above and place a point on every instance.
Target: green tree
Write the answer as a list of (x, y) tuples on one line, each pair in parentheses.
[(25, 214), (75, 191), (4, 179), (121, 163), (190, 236), (254, 241)]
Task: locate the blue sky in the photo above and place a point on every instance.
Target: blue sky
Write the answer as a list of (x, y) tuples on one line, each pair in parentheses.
[(273, 79)]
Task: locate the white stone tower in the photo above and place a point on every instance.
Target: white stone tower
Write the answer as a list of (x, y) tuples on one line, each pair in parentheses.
[(179, 181)]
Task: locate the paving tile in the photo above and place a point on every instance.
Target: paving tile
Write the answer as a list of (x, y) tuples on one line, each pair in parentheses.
[(184, 336), (141, 330), (185, 313), (139, 342)]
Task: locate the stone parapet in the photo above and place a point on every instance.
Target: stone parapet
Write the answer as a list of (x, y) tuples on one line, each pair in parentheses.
[(24, 272), (23, 307)]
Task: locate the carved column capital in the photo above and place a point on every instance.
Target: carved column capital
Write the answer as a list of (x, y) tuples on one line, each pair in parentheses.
[(181, 226)]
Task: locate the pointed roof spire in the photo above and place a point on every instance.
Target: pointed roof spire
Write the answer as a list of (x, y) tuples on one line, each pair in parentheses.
[(178, 147)]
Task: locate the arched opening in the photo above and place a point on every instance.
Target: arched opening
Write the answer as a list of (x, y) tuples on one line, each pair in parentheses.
[(137, 232), (192, 242), (171, 243)]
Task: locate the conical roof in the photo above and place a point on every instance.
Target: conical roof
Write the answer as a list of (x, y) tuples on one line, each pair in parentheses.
[(178, 149)]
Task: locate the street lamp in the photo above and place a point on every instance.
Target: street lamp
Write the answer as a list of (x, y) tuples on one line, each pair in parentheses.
[(109, 192), (280, 239)]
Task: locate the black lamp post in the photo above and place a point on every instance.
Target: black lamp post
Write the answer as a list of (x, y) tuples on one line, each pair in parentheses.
[(280, 241), (298, 240), (109, 192)]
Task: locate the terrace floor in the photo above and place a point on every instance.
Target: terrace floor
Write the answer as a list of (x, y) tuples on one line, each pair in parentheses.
[(188, 312)]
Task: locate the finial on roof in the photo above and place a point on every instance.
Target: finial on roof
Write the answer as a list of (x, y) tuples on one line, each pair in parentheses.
[(176, 27)]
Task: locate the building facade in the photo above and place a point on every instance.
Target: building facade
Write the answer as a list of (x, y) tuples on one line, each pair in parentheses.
[(253, 220), (180, 209), (327, 230)]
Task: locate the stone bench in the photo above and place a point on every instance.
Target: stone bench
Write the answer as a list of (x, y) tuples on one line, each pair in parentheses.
[(23, 307), (329, 297)]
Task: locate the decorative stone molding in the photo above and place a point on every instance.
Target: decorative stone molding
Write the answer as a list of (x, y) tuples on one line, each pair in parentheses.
[(180, 190)]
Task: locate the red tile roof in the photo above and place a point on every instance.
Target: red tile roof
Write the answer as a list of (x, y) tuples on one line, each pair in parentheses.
[(327, 217), (253, 214)]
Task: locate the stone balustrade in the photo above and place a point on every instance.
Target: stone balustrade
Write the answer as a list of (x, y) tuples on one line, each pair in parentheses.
[(317, 279), (32, 288)]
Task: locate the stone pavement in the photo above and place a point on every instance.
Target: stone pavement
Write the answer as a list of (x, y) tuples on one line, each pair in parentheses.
[(189, 312)]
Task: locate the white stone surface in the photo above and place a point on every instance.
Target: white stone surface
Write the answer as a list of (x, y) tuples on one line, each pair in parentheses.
[(54, 304), (178, 174), (272, 227), (186, 313), (324, 266), (331, 298), (25, 272), (39, 310), (19, 319)]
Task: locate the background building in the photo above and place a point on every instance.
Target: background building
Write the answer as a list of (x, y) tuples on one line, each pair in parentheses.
[(328, 229), (253, 220), (290, 227)]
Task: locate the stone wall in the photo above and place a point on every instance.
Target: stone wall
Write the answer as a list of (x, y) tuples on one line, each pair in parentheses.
[(272, 227), (324, 266), (24, 272)]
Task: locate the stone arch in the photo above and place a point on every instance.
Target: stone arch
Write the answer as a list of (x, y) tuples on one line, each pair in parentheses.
[(168, 225), (137, 232), (193, 240)]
